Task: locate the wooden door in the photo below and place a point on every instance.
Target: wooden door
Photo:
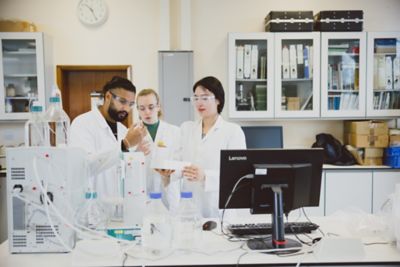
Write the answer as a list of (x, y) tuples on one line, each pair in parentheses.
[(77, 82)]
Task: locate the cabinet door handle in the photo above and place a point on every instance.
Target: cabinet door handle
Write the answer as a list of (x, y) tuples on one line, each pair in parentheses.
[(186, 99)]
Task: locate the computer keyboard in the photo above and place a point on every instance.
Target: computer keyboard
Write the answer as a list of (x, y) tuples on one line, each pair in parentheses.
[(266, 228)]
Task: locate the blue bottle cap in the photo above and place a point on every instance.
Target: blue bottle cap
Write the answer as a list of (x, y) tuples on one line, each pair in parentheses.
[(54, 99), (89, 195), (36, 109), (186, 195), (155, 195)]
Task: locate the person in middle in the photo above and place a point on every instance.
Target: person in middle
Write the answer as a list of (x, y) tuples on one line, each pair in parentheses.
[(164, 140), (202, 141)]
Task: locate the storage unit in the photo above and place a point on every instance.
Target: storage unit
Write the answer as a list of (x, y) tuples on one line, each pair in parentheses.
[(383, 74), (343, 66), (297, 75), (22, 73), (251, 79)]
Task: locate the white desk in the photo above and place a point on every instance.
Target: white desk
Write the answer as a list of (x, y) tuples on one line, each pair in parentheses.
[(214, 250)]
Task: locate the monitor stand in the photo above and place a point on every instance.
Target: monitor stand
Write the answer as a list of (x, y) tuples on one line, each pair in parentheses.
[(278, 240)]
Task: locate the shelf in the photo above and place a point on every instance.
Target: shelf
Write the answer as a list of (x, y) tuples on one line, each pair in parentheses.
[(16, 53), (251, 80), (337, 54), (385, 54), (297, 80), (22, 75), (20, 97), (386, 90), (343, 91)]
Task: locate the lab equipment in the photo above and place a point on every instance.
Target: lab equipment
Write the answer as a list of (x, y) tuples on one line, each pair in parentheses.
[(187, 227), (156, 230), (92, 214), (36, 128), (59, 123), (44, 187)]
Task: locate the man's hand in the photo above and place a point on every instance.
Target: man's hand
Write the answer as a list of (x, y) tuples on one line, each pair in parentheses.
[(144, 146), (135, 135)]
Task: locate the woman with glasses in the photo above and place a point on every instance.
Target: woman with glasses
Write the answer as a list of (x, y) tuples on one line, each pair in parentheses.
[(202, 141), (164, 140)]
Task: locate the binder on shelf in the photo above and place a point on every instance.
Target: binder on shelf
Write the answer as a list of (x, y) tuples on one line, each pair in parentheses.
[(336, 102), (381, 72), (293, 62), (353, 102), (330, 70), (285, 62), (300, 61), (396, 73), (311, 61), (307, 101), (254, 62), (263, 67), (376, 73), (388, 73), (306, 53), (239, 61), (247, 61)]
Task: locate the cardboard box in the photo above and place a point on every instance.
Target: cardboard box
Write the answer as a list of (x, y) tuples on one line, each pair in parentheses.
[(373, 161), (366, 127), (394, 140), (293, 103), (364, 140), (372, 152)]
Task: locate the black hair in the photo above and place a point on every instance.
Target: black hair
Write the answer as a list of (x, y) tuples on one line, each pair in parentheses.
[(213, 85), (119, 82)]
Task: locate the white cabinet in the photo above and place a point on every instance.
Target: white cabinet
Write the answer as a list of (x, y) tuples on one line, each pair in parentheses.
[(251, 80), (343, 67), (297, 65), (383, 185), (350, 188), (22, 73), (383, 74)]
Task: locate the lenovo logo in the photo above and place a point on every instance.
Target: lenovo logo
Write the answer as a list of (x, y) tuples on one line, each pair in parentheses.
[(237, 158)]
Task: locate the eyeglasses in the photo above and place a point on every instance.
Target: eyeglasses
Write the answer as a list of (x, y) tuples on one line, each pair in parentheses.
[(122, 100), (203, 98), (150, 107)]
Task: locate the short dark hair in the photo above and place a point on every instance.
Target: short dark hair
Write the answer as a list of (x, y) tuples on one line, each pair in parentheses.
[(213, 85), (119, 82)]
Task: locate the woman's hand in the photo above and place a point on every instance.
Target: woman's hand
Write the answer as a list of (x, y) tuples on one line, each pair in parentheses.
[(194, 173)]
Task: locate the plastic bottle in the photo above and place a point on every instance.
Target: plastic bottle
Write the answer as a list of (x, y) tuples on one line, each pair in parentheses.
[(58, 122), (156, 228), (187, 227), (36, 128), (92, 214)]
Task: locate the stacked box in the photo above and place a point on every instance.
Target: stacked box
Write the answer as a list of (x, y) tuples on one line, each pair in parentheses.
[(293, 103), (394, 137), (339, 21), (289, 21), (369, 137)]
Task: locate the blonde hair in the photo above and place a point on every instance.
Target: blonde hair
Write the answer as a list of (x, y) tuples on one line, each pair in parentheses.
[(149, 91)]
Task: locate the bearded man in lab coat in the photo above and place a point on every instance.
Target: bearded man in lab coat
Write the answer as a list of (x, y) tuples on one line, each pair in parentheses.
[(101, 133)]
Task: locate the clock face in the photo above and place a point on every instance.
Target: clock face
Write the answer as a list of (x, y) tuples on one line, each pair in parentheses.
[(92, 12)]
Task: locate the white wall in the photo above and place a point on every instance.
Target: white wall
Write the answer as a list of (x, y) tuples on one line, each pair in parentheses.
[(132, 36)]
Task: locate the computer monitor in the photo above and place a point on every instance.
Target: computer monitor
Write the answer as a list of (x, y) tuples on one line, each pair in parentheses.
[(277, 181), (263, 136)]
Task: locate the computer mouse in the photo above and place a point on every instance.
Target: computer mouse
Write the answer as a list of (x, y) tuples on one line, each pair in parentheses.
[(209, 225)]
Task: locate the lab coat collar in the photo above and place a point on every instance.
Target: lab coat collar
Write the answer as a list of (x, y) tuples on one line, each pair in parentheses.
[(214, 128)]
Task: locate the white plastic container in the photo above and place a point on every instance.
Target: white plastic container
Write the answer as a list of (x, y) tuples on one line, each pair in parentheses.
[(91, 214), (36, 128), (156, 228), (187, 226), (58, 122)]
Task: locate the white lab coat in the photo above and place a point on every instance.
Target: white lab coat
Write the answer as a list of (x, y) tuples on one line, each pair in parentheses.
[(205, 152), (167, 136), (91, 132)]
